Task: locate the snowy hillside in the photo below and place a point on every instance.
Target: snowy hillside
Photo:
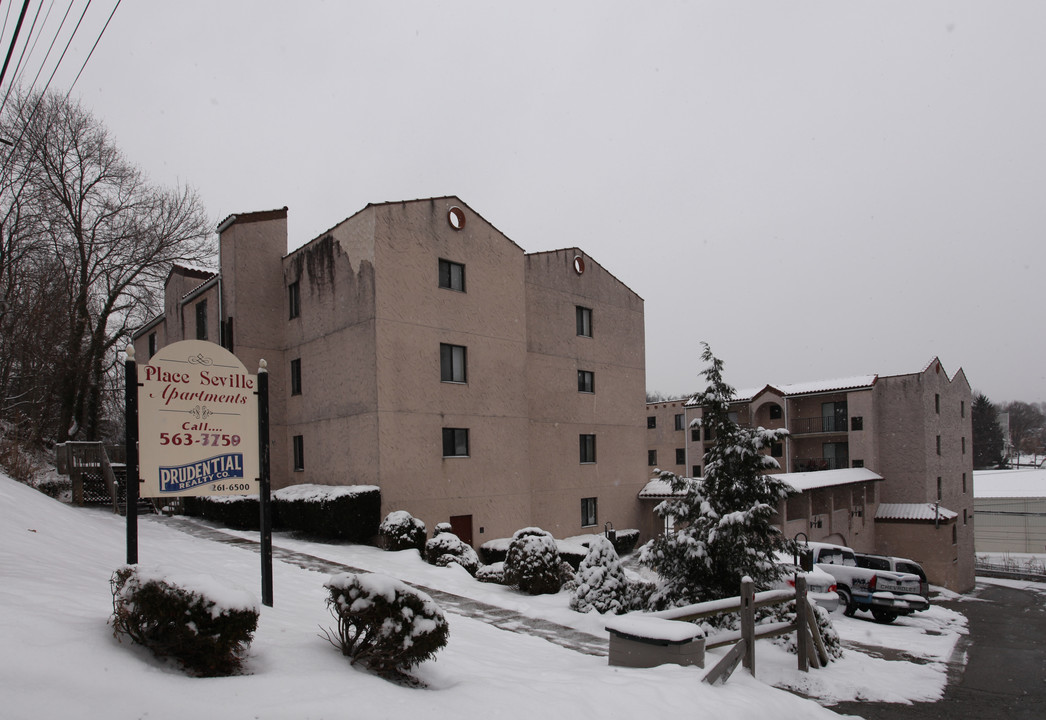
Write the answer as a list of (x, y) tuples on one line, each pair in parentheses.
[(60, 659)]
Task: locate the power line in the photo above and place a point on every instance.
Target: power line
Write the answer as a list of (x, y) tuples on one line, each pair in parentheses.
[(14, 40)]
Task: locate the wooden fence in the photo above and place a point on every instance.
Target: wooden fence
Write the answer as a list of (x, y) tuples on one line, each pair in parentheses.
[(812, 651)]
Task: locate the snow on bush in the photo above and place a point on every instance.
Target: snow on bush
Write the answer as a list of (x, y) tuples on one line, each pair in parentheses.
[(443, 527), (202, 623), (532, 562), (829, 635), (400, 531), (494, 573), (384, 623), (447, 548), (601, 582)]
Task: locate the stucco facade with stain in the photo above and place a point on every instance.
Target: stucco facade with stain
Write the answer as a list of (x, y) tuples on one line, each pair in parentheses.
[(355, 327)]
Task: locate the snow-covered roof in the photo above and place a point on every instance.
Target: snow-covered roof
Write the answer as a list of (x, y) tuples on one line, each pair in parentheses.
[(805, 388), (803, 481), (914, 511), (658, 489), (1009, 483)]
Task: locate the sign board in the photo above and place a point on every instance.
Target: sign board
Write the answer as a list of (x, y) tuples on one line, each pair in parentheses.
[(197, 423)]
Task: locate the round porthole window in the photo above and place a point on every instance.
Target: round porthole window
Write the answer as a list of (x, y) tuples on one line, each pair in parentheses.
[(579, 265), (456, 218)]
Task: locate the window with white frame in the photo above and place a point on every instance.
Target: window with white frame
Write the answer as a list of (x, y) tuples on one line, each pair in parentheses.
[(588, 512)]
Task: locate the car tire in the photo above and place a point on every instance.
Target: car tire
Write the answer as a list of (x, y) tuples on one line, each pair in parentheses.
[(846, 602), (883, 616)]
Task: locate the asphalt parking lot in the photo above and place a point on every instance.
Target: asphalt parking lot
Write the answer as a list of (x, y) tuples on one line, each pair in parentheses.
[(1005, 671)]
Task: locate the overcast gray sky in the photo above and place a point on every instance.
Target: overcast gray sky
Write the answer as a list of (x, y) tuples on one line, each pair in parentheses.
[(817, 189)]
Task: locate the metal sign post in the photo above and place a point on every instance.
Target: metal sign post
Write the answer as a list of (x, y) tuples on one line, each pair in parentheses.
[(264, 505), (130, 373)]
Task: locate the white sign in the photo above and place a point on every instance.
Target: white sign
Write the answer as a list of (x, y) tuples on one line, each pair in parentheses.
[(197, 423)]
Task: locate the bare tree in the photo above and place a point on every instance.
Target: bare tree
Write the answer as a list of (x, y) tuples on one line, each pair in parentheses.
[(101, 236)]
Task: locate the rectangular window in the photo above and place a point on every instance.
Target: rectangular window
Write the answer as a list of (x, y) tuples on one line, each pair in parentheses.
[(455, 442), (588, 512), (964, 446), (709, 435), (697, 471), (651, 422), (938, 444), (962, 408), (857, 423), (939, 488), (294, 299), (965, 518), (586, 381), (299, 452), (857, 464), (937, 403), (584, 321), (152, 344), (680, 456), (695, 434), (651, 458), (452, 361), (296, 376), (680, 422), (452, 275), (964, 483), (587, 444), (775, 411), (777, 450), (201, 320)]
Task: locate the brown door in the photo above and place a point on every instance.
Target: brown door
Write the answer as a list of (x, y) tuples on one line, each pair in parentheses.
[(461, 525)]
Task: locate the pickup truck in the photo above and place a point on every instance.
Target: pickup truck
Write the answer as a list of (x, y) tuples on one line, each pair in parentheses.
[(883, 593), (896, 564)]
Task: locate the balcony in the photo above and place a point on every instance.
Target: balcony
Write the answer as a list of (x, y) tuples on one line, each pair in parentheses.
[(815, 464), (825, 424)]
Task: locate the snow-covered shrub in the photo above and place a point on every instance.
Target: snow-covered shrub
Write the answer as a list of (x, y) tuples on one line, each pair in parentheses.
[(638, 594), (384, 623), (532, 562), (829, 635), (204, 625), (447, 548), (400, 531), (625, 541), (494, 551), (342, 512), (601, 582), (443, 527), (567, 577), (571, 553), (494, 573), (240, 512), (17, 461)]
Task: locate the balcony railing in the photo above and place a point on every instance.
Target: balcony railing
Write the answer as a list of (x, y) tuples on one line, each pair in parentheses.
[(815, 464), (826, 424)]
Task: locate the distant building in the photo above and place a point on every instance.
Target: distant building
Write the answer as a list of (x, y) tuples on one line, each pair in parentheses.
[(1010, 506), (415, 347), (884, 463)]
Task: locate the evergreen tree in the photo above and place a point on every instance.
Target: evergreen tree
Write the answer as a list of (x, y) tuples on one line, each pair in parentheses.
[(724, 520), (988, 439)]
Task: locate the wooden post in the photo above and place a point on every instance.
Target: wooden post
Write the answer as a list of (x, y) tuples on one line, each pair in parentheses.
[(802, 637), (748, 623)]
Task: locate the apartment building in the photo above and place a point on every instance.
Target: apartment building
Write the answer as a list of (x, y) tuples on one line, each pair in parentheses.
[(883, 463), (415, 347)]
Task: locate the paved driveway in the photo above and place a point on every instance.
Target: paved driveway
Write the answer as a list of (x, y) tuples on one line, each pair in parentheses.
[(1005, 674)]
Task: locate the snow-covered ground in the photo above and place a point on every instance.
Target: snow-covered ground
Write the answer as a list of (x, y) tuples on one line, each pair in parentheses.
[(60, 658)]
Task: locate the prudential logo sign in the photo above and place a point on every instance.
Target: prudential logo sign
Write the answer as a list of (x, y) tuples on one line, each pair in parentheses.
[(221, 468)]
